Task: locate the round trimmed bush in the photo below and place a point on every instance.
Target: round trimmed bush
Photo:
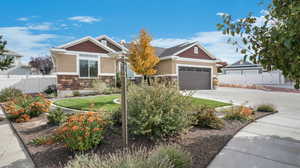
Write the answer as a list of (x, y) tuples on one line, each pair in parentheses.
[(157, 111), (266, 108)]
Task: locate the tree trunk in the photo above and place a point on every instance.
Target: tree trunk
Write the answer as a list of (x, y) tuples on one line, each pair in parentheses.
[(148, 80)]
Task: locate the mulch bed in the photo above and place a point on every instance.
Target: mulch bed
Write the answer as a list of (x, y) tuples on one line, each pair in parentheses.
[(203, 144)]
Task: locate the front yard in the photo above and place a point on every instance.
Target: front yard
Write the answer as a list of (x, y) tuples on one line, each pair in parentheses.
[(95, 103), (156, 115)]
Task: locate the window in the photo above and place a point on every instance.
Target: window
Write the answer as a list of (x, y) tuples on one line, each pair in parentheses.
[(88, 68), (104, 42), (196, 50)]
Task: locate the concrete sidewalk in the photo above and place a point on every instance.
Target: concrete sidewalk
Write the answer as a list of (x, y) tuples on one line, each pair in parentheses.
[(12, 152), (271, 142)]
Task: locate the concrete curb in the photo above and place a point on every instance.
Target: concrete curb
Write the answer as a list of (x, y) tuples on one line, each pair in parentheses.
[(248, 123)]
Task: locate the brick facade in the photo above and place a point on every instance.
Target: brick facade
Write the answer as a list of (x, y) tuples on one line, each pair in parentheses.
[(73, 82)]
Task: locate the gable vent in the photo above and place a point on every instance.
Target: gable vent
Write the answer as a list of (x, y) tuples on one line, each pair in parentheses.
[(104, 42)]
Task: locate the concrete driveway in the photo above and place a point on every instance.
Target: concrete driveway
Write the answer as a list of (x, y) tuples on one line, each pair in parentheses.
[(271, 142)]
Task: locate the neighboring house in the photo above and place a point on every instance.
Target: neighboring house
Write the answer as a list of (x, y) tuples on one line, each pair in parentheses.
[(17, 68), (81, 61), (246, 73), (243, 67)]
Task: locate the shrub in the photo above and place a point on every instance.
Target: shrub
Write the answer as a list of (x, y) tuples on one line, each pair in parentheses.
[(162, 157), (8, 94), (174, 154), (266, 108), (205, 117), (51, 89), (45, 140), (99, 86), (56, 117), (124, 158), (157, 111), (25, 107), (240, 113), (116, 116), (76, 93), (82, 131), (111, 90), (42, 140)]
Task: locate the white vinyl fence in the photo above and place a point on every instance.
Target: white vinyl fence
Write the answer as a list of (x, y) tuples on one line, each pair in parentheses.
[(265, 78), (27, 83)]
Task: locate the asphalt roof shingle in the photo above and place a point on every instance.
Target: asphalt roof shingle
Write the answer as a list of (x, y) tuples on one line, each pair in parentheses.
[(172, 50), (163, 52)]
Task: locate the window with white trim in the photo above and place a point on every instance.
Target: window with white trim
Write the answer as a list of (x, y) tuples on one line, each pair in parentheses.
[(196, 50), (88, 67)]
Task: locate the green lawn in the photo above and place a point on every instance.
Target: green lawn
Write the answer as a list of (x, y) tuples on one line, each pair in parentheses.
[(106, 103), (100, 102), (209, 103)]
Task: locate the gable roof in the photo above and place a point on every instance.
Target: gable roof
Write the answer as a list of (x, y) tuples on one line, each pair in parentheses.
[(183, 47), (12, 53), (87, 38), (173, 50), (112, 41), (241, 63), (158, 50)]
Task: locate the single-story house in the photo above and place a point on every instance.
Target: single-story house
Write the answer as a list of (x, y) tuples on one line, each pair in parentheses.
[(247, 73), (78, 62), (17, 67), (242, 67)]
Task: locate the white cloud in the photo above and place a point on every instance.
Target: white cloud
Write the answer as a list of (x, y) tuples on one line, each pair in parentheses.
[(23, 41), (85, 19), (23, 19), (42, 26), (222, 14), (215, 42)]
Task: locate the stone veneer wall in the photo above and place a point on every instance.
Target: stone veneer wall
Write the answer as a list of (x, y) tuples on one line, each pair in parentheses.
[(168, 80), (73, 82)]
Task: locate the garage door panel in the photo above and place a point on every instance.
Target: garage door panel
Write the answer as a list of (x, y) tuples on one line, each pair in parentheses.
[(191, 78)]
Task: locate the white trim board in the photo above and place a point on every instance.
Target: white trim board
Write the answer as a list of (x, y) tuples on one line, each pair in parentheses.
[(187, 59), (165, 75), (66, 73), (107, 74), (70, 52)]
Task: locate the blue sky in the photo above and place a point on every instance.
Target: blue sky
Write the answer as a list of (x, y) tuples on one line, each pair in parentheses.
[(31, 27)]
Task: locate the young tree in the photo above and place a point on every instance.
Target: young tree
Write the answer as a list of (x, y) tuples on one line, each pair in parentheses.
[(43, 64), (5, 60), (276, 43), (142, 56)]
